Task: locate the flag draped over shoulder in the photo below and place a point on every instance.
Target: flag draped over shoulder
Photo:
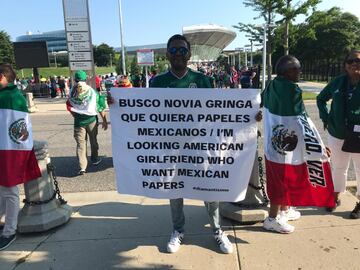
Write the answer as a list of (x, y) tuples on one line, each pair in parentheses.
[(18, 163), (85, 100), (297, 167)]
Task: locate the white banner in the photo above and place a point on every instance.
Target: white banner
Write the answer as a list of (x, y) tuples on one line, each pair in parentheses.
[(184, 143)]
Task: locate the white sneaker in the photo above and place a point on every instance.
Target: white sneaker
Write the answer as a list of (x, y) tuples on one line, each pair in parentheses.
[(175, 242), (278, 224), (290, 214), (223, 242)]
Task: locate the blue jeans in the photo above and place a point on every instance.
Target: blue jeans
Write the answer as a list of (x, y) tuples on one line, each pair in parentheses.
[(178, 217)]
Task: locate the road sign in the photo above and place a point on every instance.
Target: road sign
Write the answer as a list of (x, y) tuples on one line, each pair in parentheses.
[(77, 26), (80, 56), (79, 46), (81, 65), (145, 57), (78, 36)]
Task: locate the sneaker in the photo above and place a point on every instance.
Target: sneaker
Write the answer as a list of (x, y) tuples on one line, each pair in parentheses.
[(223, 242), (290, 214), (332, 209), (81, 172), (97, 162), (278, 224), (6, 241), (355, 214), (175, 241)]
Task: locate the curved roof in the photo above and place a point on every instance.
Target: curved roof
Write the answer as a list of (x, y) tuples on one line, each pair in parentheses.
[(207, 40)]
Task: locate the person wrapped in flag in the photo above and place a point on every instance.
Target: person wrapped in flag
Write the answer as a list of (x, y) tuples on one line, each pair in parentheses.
[(18, 163), (297, 162), (84, 103)]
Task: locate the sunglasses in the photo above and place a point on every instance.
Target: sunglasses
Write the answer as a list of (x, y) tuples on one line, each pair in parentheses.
[(352, 61), (181, 50)]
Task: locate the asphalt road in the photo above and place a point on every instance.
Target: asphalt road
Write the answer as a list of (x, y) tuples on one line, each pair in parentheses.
[(57, 129)]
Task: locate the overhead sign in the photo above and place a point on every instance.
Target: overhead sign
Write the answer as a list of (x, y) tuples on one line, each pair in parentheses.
[(176, 143), (80, 56), (145, 57), (78, 36)]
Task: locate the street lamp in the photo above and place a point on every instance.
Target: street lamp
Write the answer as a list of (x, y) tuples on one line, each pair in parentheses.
[(239, 50), (265, 27), (110, 60), (121, 40)]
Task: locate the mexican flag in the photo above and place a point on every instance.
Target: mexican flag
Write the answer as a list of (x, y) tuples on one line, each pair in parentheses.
[(18, 163), (297, 168), (85, 100)]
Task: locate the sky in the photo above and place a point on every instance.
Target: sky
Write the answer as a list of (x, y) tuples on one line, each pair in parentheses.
[(144, 21)]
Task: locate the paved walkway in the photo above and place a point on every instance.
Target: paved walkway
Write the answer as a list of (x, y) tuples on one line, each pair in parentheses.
[(311, 86)]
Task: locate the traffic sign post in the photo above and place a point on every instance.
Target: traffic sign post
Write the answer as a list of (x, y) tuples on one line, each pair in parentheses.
[(145, 58), (78, 36)]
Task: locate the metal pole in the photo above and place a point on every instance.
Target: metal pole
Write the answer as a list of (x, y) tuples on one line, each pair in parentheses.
[(251, 53), (55, 59), (147, 77), (239, 60), (264, 60), (110, 60), (122, 40), (246, 59)]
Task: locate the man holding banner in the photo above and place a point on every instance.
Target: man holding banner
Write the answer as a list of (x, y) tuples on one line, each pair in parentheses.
[(174, 142), (297, 164), (180, 76)]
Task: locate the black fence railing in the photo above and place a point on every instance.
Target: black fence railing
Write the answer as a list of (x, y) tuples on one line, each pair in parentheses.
[(319, 71)]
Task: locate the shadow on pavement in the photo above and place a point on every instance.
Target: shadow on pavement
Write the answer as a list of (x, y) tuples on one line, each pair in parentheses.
[(68, 166), (115, 235)]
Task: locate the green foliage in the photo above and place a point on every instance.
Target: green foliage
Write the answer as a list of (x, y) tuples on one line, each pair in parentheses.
[(134, 68), (104, 55), (6, 49), (327, 35), (290, 11), (309, 95), (118, 68)]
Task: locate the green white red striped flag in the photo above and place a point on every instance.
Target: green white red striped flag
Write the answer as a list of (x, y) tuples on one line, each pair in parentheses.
[(297, 168), (85, 100), (18, 163)]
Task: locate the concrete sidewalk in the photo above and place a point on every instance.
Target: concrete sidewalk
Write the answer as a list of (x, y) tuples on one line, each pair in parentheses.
[(112, 231)]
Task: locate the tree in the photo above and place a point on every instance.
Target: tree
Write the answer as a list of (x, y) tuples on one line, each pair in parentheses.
[(267, 10), (6, 49), (290, 11), (327, 36), (118, 68), (104, 55)]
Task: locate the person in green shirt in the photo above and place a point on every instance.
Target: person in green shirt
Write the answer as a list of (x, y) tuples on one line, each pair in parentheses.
[(84, 104), (180, 76), (344, 91)]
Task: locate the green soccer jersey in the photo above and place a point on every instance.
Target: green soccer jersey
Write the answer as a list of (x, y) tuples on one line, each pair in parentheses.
[(192, 79)]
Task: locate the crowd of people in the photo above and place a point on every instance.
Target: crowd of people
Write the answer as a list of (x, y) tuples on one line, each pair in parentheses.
[(342, 118), (60, 86)]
